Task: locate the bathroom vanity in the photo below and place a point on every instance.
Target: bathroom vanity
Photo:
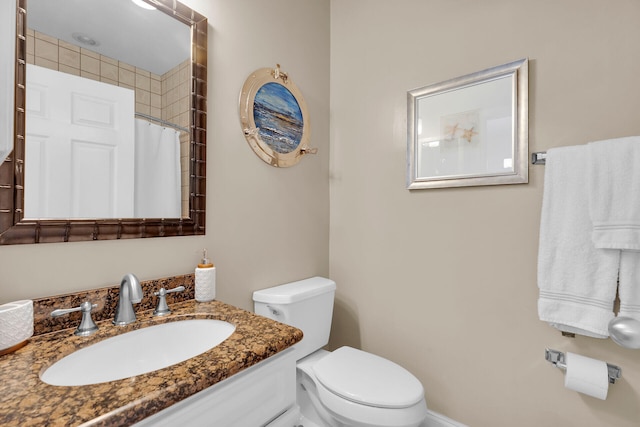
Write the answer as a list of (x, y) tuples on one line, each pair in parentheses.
[(225, 380)]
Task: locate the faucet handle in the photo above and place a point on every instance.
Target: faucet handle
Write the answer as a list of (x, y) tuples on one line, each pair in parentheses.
[(87, 325), (162, 308)]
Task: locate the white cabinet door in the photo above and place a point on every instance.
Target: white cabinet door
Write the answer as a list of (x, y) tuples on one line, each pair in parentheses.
[(79, 156), (251, 398)]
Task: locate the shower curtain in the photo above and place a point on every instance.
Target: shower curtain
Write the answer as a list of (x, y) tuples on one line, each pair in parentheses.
[(157, 171)]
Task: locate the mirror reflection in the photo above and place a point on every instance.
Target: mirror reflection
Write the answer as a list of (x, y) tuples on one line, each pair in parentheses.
[(108, 111)]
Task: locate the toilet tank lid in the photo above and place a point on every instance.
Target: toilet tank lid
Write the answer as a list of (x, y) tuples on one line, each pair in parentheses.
[(295, 291)]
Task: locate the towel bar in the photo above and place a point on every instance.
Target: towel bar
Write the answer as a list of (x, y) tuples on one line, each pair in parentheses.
[(539, 158), (557, 359)]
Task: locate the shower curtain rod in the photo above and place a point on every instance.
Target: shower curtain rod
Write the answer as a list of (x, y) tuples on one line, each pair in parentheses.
[(162, 122)]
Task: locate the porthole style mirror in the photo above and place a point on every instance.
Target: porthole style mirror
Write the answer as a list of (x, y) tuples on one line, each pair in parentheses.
[(274, 117)]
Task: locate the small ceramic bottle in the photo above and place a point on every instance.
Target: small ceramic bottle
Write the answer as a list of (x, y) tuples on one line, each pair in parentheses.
[(205, 279)]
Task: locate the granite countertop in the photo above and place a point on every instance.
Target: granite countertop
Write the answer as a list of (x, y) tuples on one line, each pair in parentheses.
[(27, 401)]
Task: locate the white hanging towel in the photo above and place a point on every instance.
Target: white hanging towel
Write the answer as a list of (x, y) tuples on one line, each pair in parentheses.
[(157, 176), (577, 282), (614, 205), (614, 192)]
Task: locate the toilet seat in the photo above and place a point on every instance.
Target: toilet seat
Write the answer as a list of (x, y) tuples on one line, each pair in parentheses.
[(367, 379)]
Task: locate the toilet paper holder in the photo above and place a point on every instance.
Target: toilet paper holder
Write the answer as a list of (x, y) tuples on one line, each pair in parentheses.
[(557, 359)]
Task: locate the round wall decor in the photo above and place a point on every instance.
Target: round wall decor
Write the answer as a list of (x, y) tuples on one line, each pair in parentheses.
[(274, 117)]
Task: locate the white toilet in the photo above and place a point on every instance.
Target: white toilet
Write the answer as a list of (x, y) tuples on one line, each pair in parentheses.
[(346, 387)]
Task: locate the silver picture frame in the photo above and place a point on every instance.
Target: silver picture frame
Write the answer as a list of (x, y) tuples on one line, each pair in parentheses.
[(470, 131)]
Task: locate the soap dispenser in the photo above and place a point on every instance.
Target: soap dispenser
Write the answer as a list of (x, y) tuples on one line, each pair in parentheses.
[(205, 279)]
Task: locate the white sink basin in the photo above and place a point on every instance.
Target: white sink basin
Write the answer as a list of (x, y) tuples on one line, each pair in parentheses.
[(138, 352)]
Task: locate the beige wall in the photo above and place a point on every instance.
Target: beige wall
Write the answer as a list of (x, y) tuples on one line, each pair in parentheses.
[(444, 281), (264, 225)]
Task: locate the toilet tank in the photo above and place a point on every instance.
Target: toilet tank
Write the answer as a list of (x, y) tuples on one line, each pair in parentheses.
[(306, 304)]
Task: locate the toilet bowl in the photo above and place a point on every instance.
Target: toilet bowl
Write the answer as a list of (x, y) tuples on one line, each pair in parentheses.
[(346, 387), (353, 388)]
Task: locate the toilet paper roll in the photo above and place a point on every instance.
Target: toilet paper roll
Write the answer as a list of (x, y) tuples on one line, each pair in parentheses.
[(586, 375), (16, 323)]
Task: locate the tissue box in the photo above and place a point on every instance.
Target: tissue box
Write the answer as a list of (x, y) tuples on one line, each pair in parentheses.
[(16, 323)]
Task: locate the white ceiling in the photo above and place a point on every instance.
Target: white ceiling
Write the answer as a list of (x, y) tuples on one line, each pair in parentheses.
[(147, 39)]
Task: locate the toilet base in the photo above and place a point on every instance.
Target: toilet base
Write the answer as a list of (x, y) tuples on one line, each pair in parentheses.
[(314, 415), (313, 412)]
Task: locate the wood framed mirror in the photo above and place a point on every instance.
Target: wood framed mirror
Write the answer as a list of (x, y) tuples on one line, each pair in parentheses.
[(16, 228)]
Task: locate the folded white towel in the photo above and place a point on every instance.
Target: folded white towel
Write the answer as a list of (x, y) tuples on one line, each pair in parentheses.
[(614, 192), (577, 281)]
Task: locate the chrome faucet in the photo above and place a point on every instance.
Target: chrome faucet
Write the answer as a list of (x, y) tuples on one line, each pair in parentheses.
[(130, 293)]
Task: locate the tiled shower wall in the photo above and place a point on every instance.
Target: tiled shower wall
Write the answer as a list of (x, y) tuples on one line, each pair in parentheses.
[(165, 96), (175, 109)]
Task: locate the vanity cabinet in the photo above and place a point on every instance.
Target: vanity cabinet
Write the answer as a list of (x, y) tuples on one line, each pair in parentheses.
[(253, 397)]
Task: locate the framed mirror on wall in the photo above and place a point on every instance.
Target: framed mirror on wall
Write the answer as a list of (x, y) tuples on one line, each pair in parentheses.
[(110, 122), (470, 131)]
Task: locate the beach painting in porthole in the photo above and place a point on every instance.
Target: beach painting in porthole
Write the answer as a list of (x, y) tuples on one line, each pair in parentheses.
[(278, 117)]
